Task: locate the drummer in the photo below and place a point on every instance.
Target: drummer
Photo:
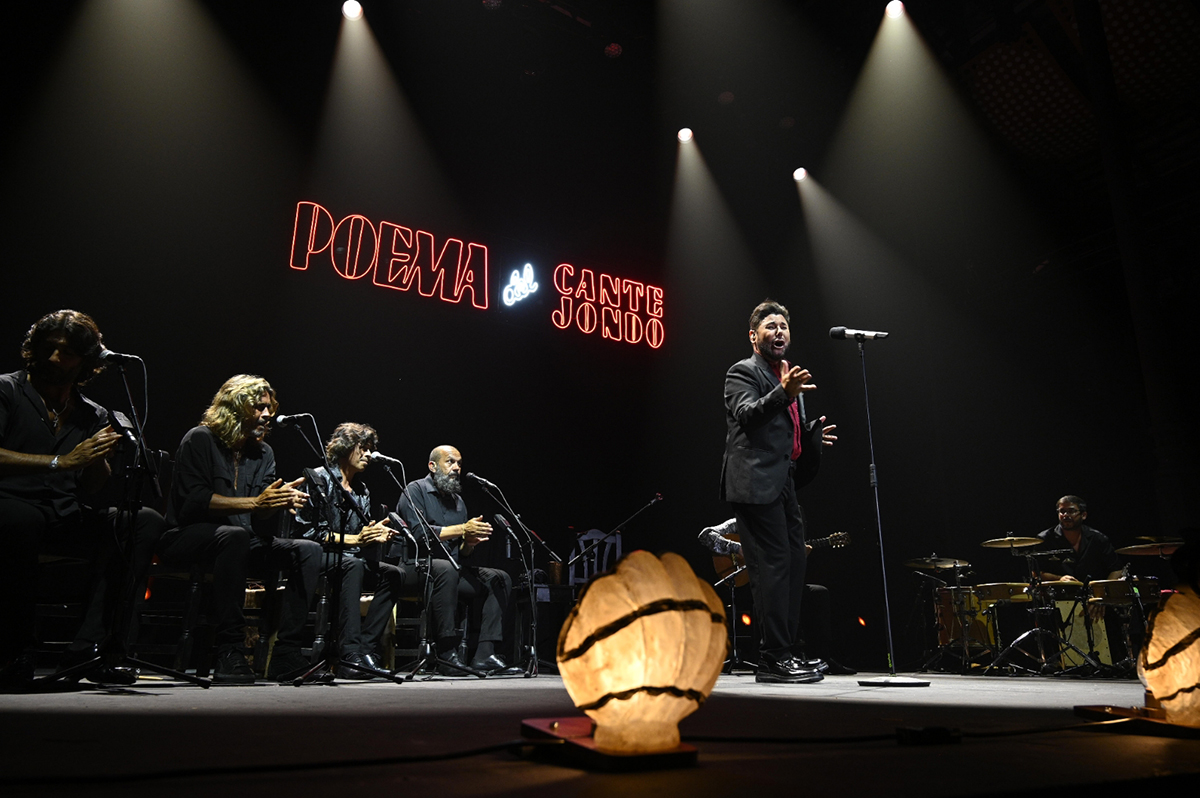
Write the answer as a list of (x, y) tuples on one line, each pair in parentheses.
[(1094, 557)]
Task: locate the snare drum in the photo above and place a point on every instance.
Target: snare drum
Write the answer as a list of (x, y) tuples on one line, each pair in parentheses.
[(992, 592)]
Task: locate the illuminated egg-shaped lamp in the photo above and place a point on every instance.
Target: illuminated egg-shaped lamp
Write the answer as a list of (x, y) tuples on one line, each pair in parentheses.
[(1169, 664), (641, 650)]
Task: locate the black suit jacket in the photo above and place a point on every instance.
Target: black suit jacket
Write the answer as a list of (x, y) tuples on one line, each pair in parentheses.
[(758, 438)]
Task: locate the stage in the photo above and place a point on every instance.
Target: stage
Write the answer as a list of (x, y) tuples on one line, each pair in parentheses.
[(265, 734)]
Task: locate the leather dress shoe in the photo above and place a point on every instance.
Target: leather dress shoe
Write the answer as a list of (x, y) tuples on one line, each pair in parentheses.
[(784, 671), (452, 658), (101, 672), (354, 658), (495, 666), (373, 661), (287, 664), (232, 668), (814, 664), (836, 668)]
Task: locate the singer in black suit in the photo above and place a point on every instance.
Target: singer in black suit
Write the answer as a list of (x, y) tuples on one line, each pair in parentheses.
[(769, 448), (439, 499)]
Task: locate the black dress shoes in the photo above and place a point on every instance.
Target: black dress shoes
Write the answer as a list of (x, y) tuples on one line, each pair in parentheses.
[(232, 668), (495, 666), (453, 659), (354, 658), (836, 668), (785, 671), (99, 673), (287, 664)]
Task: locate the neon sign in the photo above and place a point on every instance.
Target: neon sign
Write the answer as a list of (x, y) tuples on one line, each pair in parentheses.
[(520, 285), (395, 256), (401, 259), (627, 310)]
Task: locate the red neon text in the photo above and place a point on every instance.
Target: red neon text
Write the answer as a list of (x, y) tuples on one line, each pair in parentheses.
[(397, 257), (621, 310)]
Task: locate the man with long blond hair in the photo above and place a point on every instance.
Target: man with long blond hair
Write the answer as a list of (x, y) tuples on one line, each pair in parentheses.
[(224, 512)]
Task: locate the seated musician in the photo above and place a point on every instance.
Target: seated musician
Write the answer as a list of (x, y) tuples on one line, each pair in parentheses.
[(324, 521), (54, 450), (224, 512), (1094, 556), (439, 500)]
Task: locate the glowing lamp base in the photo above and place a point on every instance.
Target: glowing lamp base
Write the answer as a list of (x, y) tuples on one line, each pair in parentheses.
[(580, 748)]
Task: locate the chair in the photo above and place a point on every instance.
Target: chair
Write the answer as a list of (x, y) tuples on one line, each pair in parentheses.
[(600, 559)]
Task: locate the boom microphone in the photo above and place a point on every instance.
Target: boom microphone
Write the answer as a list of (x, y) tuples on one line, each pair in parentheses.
[(109, 356), (287, 421), (383, 458), (483, 481), (858, 335)]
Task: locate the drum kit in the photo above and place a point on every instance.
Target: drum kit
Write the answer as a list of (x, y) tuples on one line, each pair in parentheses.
[(1068, 633)]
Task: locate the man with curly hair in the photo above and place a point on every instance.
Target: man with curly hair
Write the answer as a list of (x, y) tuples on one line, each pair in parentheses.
[(325, 520), (54, 445), (224, 512)]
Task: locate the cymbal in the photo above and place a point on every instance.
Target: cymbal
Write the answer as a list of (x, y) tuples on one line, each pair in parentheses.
[(1152, 549), (936, 563), (1164, 539), (1011, 543)]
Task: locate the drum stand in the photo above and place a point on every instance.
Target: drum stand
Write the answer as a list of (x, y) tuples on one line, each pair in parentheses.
[(965, 615), (1045, 638), (1126, 668), (734, 660)]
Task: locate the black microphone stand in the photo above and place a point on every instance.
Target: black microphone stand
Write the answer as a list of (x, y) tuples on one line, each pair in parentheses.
[(891, 680), (530, 654), (324, 671), (428, 657), (657, 498), (114, 652)]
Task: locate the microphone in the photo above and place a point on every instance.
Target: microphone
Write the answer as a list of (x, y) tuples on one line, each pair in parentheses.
[(383, 458), (858, 335), (502, 522), (287, 421), (483, 481), (109, 356)]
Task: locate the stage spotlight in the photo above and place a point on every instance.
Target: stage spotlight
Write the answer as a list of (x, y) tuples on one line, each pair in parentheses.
[(895, 9), (685, 134), (799, 174), (613, 50), (351, 9), (492, 5)]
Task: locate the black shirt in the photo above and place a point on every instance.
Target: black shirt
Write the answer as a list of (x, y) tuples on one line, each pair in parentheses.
[(1096, 557), (438, 508), (204, 466), (25, 427)]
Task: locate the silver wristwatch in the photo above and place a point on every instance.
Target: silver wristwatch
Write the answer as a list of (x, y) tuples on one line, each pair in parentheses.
[(54, 463)]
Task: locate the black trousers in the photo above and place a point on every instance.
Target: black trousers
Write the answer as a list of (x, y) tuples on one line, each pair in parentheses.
[(227, 550), (773, 545), (389, 581), (26, 531), (486, 590)]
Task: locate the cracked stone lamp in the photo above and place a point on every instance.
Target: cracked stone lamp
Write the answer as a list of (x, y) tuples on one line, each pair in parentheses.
[(1169, 664), (641, 650)]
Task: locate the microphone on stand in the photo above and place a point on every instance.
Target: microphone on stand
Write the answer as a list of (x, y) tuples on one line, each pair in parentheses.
[(383, 458), (502, 522), (483, 481), (109, 356), (287, 421), (858, 335)]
